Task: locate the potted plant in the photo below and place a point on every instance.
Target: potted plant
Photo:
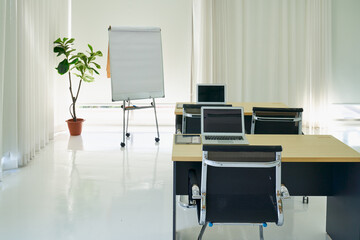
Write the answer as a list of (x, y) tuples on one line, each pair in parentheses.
[(85, 66)]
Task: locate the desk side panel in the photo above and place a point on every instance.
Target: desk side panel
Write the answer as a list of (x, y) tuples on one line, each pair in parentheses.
[(307, 179), (182, 172), (343, 208)]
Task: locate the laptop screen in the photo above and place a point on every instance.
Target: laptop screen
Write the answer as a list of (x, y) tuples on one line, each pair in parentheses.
[(211, 93), (222, 120)]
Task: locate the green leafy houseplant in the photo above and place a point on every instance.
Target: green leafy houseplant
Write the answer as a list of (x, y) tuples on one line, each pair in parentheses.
[(84, 65)]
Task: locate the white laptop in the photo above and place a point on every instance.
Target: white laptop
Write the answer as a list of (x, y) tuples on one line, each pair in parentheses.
[(211, 93), (223, 125)]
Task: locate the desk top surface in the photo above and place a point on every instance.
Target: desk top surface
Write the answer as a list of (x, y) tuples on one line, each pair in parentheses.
[(296, 148), (248, 106)]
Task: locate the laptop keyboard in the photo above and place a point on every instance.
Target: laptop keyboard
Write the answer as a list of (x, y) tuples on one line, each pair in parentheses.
[(224, 138)]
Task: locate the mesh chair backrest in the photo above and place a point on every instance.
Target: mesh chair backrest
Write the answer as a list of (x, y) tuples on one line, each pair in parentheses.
[(279, 124), (241, 194)]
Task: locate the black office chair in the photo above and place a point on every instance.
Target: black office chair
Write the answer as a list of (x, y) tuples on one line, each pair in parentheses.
[(277, 121), (239, 184), (191, 121)]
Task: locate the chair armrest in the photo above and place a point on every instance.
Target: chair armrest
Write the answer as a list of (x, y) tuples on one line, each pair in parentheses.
[(284, 192), (194, 190)]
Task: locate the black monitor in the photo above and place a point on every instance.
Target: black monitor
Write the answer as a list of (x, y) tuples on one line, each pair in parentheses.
[(211, 93)]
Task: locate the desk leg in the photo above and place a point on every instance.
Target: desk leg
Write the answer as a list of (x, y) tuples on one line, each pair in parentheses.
[(174, 201), (343, 207), (178, 123)]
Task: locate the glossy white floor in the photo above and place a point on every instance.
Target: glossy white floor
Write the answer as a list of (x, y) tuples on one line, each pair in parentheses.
[(89, 188)]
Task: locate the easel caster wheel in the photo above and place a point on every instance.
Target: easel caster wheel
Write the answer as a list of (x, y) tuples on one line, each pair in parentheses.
[(128, 134), (122, 144), (157, 139)]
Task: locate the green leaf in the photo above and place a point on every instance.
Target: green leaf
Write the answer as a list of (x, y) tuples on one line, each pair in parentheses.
[(74, 61), (70, 41), (88, 78), (57, 40), (91, 48), (91, 71), (90, 59), (59, 50), (80, 66), (99, 53), (72, 50), (95, 71), (64, 39), (77, 75), (73, 57), (63, 67), (96, 65), (84, 58)]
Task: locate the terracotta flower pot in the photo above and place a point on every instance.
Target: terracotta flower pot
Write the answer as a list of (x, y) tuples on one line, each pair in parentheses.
[(75, 127)]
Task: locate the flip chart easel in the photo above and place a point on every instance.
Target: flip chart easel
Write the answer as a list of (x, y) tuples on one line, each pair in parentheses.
[(136, 68)]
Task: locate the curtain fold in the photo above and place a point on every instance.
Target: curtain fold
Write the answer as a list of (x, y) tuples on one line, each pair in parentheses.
[(266, 51), (3, 18), (28, 65), (9, 124), (209, 63)]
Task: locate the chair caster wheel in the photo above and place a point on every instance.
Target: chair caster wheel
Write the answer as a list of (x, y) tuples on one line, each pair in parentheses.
[(305, 200), (157, 139), (122, 144), (128, 134)]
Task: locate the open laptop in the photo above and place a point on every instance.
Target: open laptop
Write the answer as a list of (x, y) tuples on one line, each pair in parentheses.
[(223, 125), (211, 93)]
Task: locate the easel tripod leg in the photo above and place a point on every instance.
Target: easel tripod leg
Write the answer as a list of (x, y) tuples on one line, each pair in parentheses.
[(157, 126), (123, 142), (127, 121)]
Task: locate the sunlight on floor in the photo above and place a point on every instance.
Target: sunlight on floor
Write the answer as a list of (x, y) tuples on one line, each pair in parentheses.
[(87, 187)]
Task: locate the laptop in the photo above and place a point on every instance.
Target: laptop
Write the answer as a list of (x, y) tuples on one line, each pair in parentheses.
[(223, 125), (211, 93)]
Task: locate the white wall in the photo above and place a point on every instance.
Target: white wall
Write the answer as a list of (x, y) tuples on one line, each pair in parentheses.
[(345, 51), (62, 98), (91, 19)]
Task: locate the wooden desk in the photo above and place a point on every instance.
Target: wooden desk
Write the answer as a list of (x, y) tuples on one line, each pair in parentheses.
[(312, 165), (296, 148), (248, 106)]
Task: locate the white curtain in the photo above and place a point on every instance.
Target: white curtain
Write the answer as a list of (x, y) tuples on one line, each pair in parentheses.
[(210, 43), (29, 27), (2, 67), (267, 51)]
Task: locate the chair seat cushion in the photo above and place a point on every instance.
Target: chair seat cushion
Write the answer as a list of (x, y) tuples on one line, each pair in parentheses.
[(241, 208)]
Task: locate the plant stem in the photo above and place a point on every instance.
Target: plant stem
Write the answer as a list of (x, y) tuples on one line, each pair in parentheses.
[(77, 94), (72, 98), (74, 117)]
